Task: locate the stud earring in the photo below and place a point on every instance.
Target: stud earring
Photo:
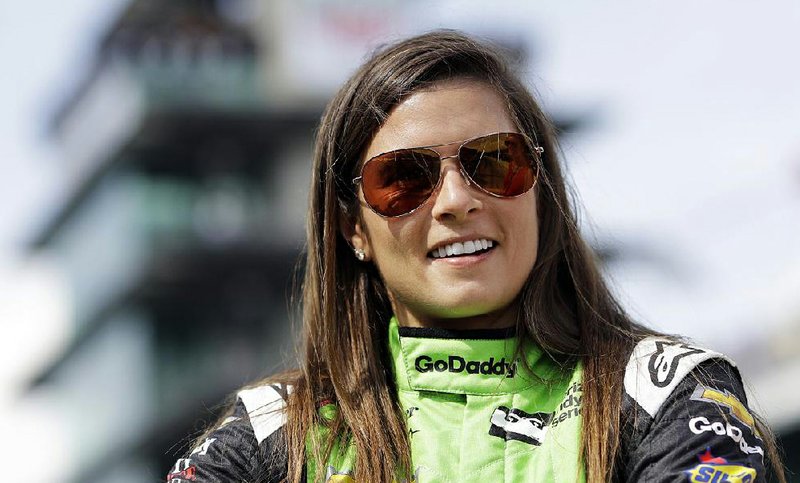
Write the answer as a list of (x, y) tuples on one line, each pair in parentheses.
[(360, 254)]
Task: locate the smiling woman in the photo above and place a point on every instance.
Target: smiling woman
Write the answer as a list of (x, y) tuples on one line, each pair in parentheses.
[(466, 288), (456, 325)]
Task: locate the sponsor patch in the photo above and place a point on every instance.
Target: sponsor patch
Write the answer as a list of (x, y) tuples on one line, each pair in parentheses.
[(728, 400), (266, 408), (333, 476), (663, 364), (713, 469), (570, 407), (517, 425), (202, 450), (182, 471), (457, 364), (657, 366), (700, 425)]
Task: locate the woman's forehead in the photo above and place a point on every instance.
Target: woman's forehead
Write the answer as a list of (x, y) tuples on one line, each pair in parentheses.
[(447, 112)]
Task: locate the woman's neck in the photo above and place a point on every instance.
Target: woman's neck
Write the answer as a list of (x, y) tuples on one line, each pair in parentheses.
[(498, 319)]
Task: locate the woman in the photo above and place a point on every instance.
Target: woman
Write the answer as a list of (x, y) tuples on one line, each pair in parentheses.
[(456, 325)]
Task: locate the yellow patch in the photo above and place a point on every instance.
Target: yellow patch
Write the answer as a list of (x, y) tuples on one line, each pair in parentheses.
[(341, 479), (727, 400), (335, 476), (711, 473)]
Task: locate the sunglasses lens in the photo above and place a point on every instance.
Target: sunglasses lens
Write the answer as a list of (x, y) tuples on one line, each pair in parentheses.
[(501, 164), (399, 182)]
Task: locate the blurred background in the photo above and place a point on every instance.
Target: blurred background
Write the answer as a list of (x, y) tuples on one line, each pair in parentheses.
[(155, 160)]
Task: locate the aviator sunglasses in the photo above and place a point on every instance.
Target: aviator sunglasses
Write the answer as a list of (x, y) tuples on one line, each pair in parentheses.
[(398, 182)]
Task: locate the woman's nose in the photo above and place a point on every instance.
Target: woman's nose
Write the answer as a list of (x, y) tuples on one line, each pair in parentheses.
[(455, 198)]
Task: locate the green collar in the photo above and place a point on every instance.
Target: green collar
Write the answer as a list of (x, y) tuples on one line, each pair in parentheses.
[(482, 362)]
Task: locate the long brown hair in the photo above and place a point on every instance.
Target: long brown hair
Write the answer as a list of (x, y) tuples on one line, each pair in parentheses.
[(566, 308)]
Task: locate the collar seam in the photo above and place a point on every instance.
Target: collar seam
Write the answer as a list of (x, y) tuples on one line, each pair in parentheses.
[(403, 353), (507, 333), (515, 390)]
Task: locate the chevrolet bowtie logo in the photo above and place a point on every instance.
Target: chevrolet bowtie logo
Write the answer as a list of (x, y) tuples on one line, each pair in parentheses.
[(728, 400)]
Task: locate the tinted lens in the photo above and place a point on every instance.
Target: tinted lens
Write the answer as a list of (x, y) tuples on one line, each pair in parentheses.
[(398, 182), (501, 164)]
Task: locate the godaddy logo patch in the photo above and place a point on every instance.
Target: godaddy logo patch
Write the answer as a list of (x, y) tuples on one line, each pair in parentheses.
[(457, 364)]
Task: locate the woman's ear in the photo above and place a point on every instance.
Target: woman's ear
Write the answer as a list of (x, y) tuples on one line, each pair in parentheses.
[(353, 231)]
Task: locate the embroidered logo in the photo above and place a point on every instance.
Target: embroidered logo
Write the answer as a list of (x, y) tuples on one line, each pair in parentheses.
[(700, 425), (202, 450), (182, 471), (570, 407), (456, 364), (713, 469), (728, 400), (664, 362), (516, 424), (334, 476)]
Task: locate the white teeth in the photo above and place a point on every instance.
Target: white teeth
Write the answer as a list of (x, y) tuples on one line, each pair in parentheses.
[(459, 248)]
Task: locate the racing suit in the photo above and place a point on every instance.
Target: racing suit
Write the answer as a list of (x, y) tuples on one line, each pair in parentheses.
[(479, 410)]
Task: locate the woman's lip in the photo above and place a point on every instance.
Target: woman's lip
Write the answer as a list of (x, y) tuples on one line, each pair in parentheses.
[(464, 260)]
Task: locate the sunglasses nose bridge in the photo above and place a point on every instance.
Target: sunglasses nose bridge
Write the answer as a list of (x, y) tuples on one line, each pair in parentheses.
[(460, 167)]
